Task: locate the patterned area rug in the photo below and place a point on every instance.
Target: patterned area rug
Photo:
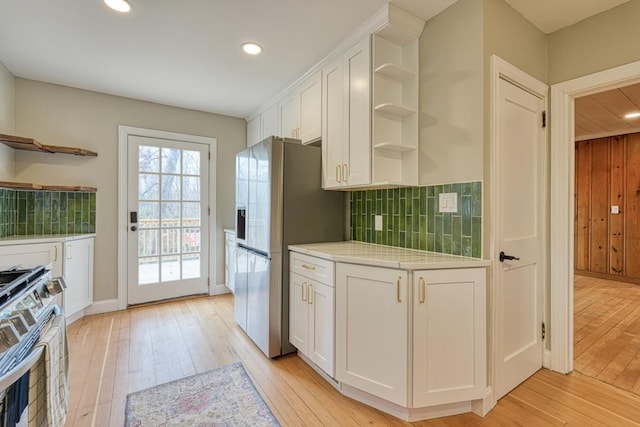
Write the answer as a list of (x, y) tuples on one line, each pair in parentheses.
[(221, 397)]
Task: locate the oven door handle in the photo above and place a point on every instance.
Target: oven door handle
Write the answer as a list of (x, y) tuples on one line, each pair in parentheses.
[(23, 367)]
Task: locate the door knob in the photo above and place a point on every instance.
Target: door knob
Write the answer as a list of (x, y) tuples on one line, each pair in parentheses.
[(504, 256), (134, 228)]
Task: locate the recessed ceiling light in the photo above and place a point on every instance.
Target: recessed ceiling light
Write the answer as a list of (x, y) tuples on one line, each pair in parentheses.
[(119, 5), (633, 115), (252, 48)]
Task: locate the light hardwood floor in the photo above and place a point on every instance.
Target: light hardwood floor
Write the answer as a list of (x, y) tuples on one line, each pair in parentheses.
[(118, 353), (607, 331)]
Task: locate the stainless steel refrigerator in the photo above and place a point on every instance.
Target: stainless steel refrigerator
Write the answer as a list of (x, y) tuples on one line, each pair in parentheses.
[(279, 202)]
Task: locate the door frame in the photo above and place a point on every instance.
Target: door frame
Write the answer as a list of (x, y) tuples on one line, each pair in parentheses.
[(123, 185), (502, 69), (562, 200)]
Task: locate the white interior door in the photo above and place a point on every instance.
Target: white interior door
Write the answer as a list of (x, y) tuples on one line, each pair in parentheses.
[(168, 237), (520, 140)]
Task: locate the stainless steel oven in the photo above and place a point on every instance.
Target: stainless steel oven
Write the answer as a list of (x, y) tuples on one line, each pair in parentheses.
[(28, 307)]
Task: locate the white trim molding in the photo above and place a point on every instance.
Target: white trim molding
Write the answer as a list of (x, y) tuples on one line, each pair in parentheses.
[(123, 135), (562, 202)]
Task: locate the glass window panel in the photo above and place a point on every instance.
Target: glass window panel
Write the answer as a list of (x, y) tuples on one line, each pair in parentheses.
[(170, 268), (191, 240), (190, 162), (170, 214), (147, 242), (170, 241), (148, 215), (170, 160), (170, 187), (148, 159), (190, 214), (191, 188), (148, 186), (148, 271), (191, 266)]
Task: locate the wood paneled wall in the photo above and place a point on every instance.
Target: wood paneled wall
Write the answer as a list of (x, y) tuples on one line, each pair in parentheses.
[(608, 174)]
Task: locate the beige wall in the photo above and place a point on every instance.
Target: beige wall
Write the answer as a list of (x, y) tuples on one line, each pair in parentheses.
[(7, 121), (451, 96), (604, 41), (59, 115)]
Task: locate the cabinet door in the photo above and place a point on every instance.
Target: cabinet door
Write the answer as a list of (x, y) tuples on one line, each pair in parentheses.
[(311, 109), (321, 326), (31, 255), (78, 273), (372, 330), (357, 113), (253, 131), (269, 122), (290, 116), (299, 312), (449, 336), (332, 124)]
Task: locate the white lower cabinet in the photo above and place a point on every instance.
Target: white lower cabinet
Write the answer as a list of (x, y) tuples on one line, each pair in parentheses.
[(371, 330), (78, 273), (230, 260), (449, 338), (312, 311)]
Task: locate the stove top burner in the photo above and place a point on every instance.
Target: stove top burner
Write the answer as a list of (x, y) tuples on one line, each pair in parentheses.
[(13, 282)]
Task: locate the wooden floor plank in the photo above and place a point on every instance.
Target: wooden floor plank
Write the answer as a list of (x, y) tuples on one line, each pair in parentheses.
[(154, 343)]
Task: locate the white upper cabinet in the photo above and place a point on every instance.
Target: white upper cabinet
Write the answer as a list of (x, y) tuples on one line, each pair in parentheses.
[(263, 125), (253, 131), (301, 111), (346, 118)]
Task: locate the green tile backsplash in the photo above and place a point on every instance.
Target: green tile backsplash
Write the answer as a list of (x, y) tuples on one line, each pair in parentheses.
[(411, 218), (42, 213)]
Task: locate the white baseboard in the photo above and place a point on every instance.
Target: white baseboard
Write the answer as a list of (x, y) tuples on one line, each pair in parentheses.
[(103, 306), (546, 359), (219, 290), (482, 407)]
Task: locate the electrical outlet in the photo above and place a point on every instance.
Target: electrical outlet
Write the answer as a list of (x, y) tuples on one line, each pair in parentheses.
[(378, 224)]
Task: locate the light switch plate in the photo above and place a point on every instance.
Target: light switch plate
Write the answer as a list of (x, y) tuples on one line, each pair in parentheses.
[(615, 209), (448, 202), (378, 224)]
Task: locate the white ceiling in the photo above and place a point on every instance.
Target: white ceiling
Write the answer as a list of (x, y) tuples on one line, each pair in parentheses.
[(187, 53), (602, 114)]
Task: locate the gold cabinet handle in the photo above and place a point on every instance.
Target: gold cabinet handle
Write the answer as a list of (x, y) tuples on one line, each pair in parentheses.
[(338, 173), (310, 293), (55, 253), (304, 287), (398, 289), (345, 172), (308, 267), (422, 291)]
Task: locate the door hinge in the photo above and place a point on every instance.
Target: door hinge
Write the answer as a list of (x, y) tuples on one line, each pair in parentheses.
[(209, 281), (544, 331), (209, 155), (544, 119), (209, 210)]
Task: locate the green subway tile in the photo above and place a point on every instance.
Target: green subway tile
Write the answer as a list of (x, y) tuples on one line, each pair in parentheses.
[(389, 238), (431, 242), (476, 202), (415, 206), (402, 223), (396, 224), (446, 188), (402, 239), (446, 223), (438, 224), (423, 234), (455, 188), (438, 240), (394, 238), (359, 234), (408, 206), (476, 237), (415, 222), (55, 228), (466, 189), (446, 244), (379, 207), (430, 191), (456, 245), (431, 205), (466, 246), (415, 240)]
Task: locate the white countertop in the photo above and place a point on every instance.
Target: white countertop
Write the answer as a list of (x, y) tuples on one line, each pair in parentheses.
[(52, 238), (386, 256)]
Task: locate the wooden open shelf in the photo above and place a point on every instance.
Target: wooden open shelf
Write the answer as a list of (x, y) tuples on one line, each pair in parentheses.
[(32, 186), (30, 144)]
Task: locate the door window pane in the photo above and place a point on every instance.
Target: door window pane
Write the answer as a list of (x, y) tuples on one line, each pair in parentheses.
[(191, 266), (148, 271), (170, 214), (170, 268), (148, 214), (191, 162), (170, 241), (170, 160), (191, 240), (170, 187), (191, 188), (147, 242), (148, 159), (190, 214), (148, 185)]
